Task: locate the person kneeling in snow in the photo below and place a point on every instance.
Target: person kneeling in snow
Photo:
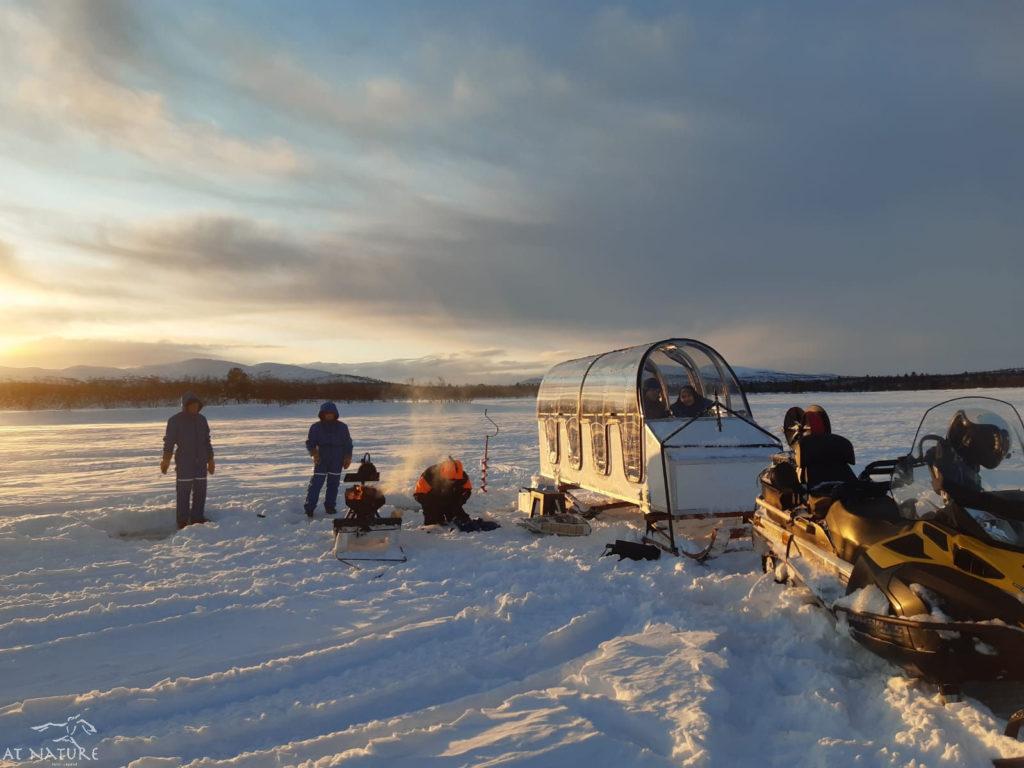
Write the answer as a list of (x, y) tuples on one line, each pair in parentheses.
[(330, 446), (189, 433), (442, 491)]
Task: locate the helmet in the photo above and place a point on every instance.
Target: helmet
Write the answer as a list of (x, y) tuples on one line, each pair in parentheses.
[(982, 439), (799, 423)]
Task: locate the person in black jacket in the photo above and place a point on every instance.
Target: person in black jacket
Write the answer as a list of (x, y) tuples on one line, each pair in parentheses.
[(690, 404), (187, 439), (442, 490), (654, 400)]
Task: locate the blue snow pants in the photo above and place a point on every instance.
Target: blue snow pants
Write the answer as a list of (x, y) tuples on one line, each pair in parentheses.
[(316, 482), (191, 506)]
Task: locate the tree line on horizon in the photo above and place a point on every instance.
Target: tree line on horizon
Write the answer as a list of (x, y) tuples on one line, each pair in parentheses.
[(237, 387), (1011, 377)]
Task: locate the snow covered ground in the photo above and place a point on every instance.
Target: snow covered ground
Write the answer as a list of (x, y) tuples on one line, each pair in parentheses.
[(244, 643)]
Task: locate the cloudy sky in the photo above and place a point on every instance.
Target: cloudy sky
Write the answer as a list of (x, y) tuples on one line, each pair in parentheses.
[(496, 186)]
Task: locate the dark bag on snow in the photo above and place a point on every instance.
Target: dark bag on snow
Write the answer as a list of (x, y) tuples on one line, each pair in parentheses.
[(470, 526), (632, 550)]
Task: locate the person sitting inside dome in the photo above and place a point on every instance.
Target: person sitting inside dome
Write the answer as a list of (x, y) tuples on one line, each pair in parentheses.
[(690, 404), (654, 401)]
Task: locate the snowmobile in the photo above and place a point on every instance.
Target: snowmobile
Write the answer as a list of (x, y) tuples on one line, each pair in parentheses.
[(363, 535), (921, 557)]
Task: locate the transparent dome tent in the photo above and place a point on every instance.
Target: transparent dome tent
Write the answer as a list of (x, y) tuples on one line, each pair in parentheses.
[(616, 425)]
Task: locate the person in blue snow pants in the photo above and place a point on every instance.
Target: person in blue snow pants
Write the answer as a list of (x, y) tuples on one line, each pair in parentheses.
[(330, 446), (187, 439)]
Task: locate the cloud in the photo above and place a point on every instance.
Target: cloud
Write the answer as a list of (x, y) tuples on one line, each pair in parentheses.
[(817, 195), (363, 107), (60, 78), (10, 267), (486, 366), (428, 269), (59, 352)]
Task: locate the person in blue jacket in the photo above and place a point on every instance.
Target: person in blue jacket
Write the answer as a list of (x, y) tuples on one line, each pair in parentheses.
[(187, 439), (330, 446)]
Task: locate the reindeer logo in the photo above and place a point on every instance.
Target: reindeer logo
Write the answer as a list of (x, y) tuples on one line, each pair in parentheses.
[(76, 725)]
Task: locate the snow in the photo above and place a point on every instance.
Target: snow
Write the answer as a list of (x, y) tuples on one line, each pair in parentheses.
[(869, 599), (245, 643)]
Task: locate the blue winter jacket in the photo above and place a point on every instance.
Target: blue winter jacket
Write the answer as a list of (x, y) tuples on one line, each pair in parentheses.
[(332, 439), (190, 434)]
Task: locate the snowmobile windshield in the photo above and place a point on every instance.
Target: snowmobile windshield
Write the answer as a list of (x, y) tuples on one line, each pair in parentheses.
[(966, 470)]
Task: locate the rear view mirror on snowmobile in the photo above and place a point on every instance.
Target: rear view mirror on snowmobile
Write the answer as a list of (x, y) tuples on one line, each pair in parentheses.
[(926, 442)]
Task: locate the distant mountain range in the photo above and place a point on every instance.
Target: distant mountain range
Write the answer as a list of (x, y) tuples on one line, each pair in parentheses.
[(761, 374), (206, 368), (195, 368), (746, 375)]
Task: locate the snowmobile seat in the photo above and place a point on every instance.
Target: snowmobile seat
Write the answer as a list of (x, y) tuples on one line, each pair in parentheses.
[(819, 502), (824, 458), (855, 526)]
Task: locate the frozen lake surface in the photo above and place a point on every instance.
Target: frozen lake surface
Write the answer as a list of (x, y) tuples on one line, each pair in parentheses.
[(245, 643)]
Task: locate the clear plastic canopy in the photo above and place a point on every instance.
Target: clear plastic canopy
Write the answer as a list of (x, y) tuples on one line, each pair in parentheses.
[(610, 385), (966, 469)]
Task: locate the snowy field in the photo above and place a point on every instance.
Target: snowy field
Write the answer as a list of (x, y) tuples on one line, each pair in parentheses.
[(244, 643)]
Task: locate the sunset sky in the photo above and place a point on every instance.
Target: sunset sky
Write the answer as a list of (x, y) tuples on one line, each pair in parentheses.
[(806, 186)]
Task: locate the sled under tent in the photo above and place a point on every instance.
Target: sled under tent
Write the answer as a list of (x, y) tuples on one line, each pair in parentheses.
[(605, 426)]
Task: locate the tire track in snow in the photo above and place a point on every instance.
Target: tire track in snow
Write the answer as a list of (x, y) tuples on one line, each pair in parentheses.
[(283, 680)]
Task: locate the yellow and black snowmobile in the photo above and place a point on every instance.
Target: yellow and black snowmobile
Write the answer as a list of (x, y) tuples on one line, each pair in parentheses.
[(922, 557)]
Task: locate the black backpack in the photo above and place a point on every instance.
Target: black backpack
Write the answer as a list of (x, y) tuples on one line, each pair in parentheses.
[(631, 549)]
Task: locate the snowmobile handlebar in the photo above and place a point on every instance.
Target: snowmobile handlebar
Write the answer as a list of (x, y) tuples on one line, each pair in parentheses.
[(880, 468)]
